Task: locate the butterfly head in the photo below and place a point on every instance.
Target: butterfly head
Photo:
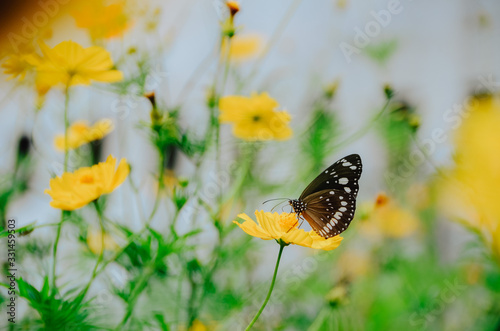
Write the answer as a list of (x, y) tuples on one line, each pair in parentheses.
[(298, 205)]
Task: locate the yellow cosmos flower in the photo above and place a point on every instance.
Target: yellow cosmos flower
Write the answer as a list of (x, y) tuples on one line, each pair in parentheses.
[(242, 47), (95, 240), (17, 65), (470, 193), (74, 190), (284, 227), (71, 64), (80, 133), (254, 118), (387, 219), (101, 20)]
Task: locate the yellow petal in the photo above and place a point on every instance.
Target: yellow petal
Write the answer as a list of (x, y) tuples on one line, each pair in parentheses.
[(253, 229)]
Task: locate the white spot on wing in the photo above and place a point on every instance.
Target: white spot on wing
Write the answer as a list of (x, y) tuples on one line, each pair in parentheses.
[(347, 189), (343, 180)]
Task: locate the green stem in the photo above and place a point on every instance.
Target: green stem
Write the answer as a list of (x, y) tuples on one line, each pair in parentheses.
[(66, 126), (270, 290), (63, 213), (361, 132), (160, 187), (54, 250), (273, 41), (148, 221), (101, 253)]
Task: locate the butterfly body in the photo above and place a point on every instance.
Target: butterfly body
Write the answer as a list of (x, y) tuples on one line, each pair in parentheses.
[(328, 203)]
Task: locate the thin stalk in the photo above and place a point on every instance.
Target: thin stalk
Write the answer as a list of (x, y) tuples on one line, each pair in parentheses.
[(134, 295), (66, 126), (274, 38), (361, 132), (161, 175), (270, 290), (148, 221), (101, 253), (192, 308), (63, 213)]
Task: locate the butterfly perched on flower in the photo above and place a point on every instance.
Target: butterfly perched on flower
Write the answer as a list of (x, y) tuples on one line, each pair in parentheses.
[(329, 201)]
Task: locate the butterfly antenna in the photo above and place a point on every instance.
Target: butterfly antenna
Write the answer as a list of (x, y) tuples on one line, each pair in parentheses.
[(275, 200), (278, 205)]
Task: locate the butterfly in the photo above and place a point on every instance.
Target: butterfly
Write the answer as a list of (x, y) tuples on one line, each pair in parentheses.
[(329, 201)]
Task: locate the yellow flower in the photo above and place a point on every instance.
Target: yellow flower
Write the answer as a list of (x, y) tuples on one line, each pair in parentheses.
[(95, 240), (17, 65), (353, 264), (80, 133), (101, 20), (254, 118), (242, 47), (71, 64), (198, 326), (387, 219), (285, 227), (74, 190), (470, 193)]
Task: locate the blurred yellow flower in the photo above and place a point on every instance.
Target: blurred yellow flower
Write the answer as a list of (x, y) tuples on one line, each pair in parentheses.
[(473, 272), (284, 227), (387, 219), (95, 240), (71, 64), (254, 118), (470, 193), (353, 264), (17, 65), (74, 190), (102, 20), (198, 326), (241, 47), (80, 133)]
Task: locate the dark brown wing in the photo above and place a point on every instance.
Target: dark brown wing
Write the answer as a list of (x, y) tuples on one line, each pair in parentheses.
[(343, 175), (329, 212)]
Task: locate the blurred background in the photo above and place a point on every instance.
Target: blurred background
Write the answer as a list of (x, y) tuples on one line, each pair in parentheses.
[(411, 86)]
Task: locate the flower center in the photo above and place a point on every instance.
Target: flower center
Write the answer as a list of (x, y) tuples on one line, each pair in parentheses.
[(288, 221), (80, 128), (87, 179), (256, 118)]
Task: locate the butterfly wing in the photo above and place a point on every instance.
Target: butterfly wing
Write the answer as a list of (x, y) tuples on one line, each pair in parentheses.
[(343, 175), (329, 212)]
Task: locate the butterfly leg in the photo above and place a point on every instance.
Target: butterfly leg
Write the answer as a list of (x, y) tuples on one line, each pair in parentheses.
[(298, 219)]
